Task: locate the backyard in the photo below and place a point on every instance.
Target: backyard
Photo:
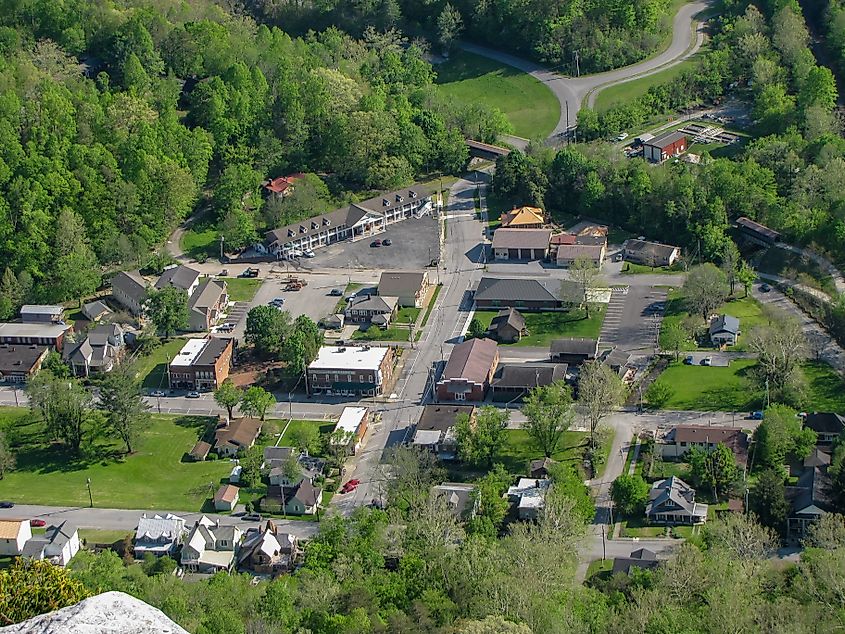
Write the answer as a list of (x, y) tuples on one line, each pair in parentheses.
[(374, 333), (154, 477), (543, 327), (201, 241), (531, 108), (826, 388)]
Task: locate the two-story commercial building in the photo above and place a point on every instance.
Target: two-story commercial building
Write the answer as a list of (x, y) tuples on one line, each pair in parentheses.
[(202, 364), (348, 370)]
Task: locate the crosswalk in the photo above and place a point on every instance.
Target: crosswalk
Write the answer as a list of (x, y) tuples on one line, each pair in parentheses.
[(609, 334)]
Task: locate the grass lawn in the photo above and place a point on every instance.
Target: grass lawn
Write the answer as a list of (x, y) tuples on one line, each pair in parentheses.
[(627, 92), (374, 333), (408, 315), (201, 242), (322, 427), (747, 309), (631, 268), (430, 307), (242, 289), (519, 450), (663, 469), (639, 527), (598, 566), (794, 266), (827, 390), (530, 106), (545, 326), (94, 536), (704, 388), (154, 477), (152, 368)]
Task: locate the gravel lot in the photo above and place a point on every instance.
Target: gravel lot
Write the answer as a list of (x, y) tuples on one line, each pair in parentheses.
[(414, 245)]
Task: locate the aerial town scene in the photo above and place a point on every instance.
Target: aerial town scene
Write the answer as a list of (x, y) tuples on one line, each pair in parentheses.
[(439, 317)]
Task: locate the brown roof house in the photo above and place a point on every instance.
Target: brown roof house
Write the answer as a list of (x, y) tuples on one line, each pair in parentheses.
[(469, 370), (226, 498), (680, 439), (202, 364), (267, 551), (233, 435), (13, 535), (435, 430), (573, 350), (303, 498), (508, 326), (523, 218), (19, 363), (521, 244), (410, 287), (130, 290)]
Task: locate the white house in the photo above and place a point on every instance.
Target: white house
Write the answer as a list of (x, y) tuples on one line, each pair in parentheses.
[(529, 495), (58, 544), (13, 536), (210, 547), (724, 330), (159, 535)]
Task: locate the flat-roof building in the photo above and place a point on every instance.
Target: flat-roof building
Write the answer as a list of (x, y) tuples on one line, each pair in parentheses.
[(348, 370), (202, 364), (42, 313), (353, 421)]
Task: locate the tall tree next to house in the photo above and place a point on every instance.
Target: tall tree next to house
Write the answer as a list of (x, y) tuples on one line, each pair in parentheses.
[(266, 329), (480, 440), (780, 436), (548, 414), (228, 395), (717, 469), (7, 457), (705, 289), (600, 391), (630, 494), (76, 272), (746, 276), (767, 500), (168, 310), (256, 401), (586, 274), (126, 412)]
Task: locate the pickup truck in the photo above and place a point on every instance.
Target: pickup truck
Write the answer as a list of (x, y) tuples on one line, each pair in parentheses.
[(250, 272)]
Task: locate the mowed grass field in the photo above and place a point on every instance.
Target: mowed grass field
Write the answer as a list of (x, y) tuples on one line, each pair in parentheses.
[(531, 108), (747, 309), (543, 327), (154, 477)]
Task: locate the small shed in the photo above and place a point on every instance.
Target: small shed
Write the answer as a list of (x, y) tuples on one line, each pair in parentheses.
[(508, 326), (226, 498), (199, 451)]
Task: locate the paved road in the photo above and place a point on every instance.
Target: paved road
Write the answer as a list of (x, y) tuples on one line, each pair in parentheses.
[(571, 92), (126, 519), (824, 347)]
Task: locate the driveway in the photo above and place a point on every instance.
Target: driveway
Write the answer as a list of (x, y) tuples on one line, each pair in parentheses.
[(571, 92)]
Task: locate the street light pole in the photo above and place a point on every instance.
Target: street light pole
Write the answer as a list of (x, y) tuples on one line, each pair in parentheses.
[(90, 497)]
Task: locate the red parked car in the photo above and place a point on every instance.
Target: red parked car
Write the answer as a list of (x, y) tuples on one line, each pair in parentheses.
[(349, 486), (37, 523)]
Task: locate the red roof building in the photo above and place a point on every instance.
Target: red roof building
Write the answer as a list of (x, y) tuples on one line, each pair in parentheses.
[(281, 185)]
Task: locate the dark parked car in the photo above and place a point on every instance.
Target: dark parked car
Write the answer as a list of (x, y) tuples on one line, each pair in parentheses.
[(336, 292), (251, 272), (375, 243), (6, 504), (765, 288), (387, 242), (688, 360)]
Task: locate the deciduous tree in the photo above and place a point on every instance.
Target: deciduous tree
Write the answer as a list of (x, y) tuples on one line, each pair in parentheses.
[(266, 329), (449, 26), (7, 457), (658, 394), (600, 391), (30, 587), (481, 438), (767, 500), (630, 494), (127, 414), (781, 347), (548, 414), (586, 274), (228, 395), (705, 289), (715, 469), (168, 310), (64, 406), (256, 401), (781, 435)]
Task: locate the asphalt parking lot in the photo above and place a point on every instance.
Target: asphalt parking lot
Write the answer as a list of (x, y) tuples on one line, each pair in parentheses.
[(414, 245)]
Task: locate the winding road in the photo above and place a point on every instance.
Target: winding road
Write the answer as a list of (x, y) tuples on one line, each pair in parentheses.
[(572, 92)]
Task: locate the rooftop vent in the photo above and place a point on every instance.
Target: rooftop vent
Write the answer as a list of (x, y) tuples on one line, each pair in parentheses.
[(314, 225), (399, 198), (412, 193), (385, 202), (302, 229), (326, 222), (291, 233)]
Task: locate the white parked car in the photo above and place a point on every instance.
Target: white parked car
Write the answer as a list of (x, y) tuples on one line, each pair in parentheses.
[(622, 136), (308, 253)]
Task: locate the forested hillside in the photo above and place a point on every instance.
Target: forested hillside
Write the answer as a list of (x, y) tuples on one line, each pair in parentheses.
[(605, 33), (116, 119)]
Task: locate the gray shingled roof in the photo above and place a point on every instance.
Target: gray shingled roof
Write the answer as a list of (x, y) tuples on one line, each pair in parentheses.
[(131, 283), (179, 276), (527, 375), (527, 290), (724, 323)]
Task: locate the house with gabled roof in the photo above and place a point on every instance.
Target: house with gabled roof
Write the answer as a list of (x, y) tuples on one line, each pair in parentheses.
[(14, 534), (435, 429), (724, 330), (460, 498), (469, 370), (410, 287), (523, 218), (182, 277), (159, 535), (130, 290), (508, 326), (207, 304), (268, 551), (58, 544), (810, 499), (672, 501), (210, 547), (827, 425)]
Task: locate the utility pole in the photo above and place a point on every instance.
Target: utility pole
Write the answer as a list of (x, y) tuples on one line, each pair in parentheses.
[(90, 497), (577, 64), (222, 239), (567, 122)]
